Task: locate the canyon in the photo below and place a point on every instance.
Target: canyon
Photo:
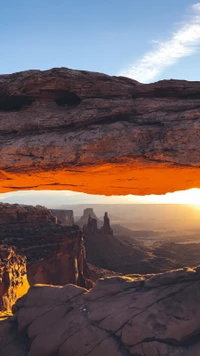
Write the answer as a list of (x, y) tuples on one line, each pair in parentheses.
[(50, 252), (66, 217), (83, 131), (105, 250)]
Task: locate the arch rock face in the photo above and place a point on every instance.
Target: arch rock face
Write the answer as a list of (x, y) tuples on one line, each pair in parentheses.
[(89, 132)]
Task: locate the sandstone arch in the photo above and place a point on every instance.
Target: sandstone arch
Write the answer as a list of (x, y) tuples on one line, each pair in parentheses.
[(64, 129), (84, 131)]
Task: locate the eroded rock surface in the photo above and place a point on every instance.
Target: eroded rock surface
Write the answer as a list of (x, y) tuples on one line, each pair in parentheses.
[(12, 342), (84, 131), (88, 212), (144, 316), (55, 253), (66, 217), (13, 278)]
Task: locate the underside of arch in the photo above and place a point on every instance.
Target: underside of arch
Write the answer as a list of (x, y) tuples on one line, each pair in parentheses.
[(83, 131)]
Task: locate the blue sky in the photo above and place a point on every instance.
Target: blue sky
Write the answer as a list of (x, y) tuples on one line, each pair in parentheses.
[(110, 36), (147, 40)]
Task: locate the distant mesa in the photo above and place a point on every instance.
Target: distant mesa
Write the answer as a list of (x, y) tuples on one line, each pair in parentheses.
[(66, 217), (89, 212)]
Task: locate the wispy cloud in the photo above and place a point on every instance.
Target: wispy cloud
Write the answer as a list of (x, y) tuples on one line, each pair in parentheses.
[(182, 43)]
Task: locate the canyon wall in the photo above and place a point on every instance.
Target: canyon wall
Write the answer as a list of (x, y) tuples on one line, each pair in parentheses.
[(66, 217), (55, 253), (89, 132)]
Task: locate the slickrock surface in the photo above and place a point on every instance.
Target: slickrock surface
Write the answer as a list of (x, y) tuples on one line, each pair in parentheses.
[(13, 278), (145, 316), (85, 131), (55, 253), (13, 343)]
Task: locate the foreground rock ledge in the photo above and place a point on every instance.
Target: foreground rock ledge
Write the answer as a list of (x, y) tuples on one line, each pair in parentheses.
[(143, 316), (84, 131)]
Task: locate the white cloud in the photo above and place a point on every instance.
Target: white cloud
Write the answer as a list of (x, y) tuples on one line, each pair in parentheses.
[(183, 43)]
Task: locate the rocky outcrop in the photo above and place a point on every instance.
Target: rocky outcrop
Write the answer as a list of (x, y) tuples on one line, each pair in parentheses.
[(107, 251), (66, 217), (55, 253), (143, 316), (89, 213), (84, 131), (91, 224), (13, 278), (106, 229)]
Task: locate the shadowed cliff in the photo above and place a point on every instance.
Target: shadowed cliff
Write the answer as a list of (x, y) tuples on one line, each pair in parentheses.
[(55, 253)]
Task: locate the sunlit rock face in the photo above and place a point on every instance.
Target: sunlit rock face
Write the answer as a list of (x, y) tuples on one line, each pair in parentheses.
[(55, 253), (13, 278), (84, 131), (143, 316)]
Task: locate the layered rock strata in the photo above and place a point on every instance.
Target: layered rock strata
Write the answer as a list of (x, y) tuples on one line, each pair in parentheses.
[(143, 316), (66, 217), (89, 132), (55, 253)]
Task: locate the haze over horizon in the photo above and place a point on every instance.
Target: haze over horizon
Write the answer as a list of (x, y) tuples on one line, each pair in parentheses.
[(56, 198)]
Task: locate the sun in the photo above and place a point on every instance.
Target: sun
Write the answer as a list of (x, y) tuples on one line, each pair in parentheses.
[(190, 197)]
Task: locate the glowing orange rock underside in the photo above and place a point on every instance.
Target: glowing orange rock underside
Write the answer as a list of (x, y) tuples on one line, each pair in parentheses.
[(109, 179)]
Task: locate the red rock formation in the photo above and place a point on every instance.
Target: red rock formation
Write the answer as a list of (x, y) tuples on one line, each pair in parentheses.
[(66, 217), (13, 279), (106, 229), (104, 250), (93, 133), (143, 316), (55, 253), (88, 212)]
